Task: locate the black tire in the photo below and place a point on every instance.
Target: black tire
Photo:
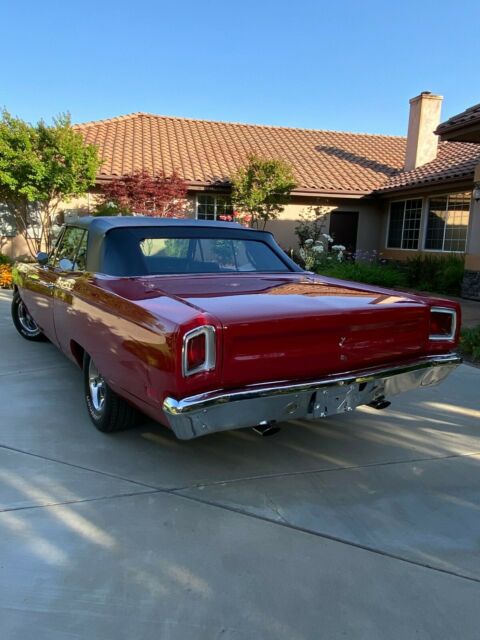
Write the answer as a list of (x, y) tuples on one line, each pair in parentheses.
[(107, 410), (23, 321)]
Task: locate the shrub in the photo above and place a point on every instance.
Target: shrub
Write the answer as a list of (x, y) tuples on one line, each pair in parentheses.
[(318, 255), (6, 279), (423, 273), (312, 225), (432, 273), (158, 196), (110, 209), (380, 275), (470, 342), (5, 259)]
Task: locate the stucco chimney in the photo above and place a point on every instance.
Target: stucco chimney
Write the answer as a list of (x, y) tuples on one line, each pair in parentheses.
[(424, 118)]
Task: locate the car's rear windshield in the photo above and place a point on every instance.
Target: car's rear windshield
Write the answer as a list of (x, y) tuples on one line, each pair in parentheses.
[(143, 252)]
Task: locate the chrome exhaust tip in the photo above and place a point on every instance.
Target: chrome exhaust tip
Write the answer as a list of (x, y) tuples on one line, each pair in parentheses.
[(265, 429), (379, 404)]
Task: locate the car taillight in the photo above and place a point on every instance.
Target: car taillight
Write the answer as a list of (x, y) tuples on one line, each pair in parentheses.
[(443, 323), (198, 350)]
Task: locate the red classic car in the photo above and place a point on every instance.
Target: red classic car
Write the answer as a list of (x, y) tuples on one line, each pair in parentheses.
[(208, 326)]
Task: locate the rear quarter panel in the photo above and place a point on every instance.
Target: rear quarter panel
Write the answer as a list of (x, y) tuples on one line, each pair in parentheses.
[(135, 344)]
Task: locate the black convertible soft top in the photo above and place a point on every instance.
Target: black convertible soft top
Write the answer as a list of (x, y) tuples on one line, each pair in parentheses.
[(99, 227)]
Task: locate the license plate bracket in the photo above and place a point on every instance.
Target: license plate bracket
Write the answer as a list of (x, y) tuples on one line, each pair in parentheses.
[(335, 399)]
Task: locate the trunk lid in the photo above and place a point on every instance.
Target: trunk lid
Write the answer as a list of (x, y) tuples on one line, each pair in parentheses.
[(295, 326)]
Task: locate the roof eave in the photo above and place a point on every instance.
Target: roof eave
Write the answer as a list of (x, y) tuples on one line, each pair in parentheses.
[(461, 133), (432, 186), (198, 185)]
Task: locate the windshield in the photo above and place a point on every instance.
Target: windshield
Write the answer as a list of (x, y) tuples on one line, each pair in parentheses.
[(145, 251)]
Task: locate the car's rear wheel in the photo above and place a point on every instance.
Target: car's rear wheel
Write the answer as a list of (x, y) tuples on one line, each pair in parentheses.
[(107, 410), (23, 321)]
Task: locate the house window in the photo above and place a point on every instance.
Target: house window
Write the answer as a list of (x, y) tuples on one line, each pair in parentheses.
[(448, 222), (404, 226), (212, 207)]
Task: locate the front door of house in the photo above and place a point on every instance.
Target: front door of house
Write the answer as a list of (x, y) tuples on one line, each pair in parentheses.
[(343, 229)]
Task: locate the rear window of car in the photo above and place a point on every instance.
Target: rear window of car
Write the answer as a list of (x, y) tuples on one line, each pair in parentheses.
[(131, 252)]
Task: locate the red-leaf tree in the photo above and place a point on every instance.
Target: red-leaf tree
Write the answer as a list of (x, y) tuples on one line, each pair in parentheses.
[(159, 196)]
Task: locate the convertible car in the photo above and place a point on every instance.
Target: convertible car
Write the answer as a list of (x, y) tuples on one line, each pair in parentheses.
[(209, 326)]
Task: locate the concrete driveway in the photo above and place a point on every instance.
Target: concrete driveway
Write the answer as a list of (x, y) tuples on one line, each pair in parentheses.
[(362, 526)]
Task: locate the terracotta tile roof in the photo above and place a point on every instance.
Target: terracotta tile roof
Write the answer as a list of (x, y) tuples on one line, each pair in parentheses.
[(205, 152), (455, 161), (466, 118)]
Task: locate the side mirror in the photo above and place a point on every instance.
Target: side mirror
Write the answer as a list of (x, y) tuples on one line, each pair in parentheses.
[(42, 257), (66, 265)]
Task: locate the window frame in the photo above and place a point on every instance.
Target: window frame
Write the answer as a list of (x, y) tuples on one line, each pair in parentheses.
[(114, 235), (215, 204), (425, 225), (420, 229), (52, 260)]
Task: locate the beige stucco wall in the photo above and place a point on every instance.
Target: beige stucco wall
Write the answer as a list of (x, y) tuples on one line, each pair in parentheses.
[(82, 206), (369, 220), (284, 227), (14, 247)]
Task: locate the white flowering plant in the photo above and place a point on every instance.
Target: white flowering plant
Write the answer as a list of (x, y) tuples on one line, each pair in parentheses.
[(319, 252)]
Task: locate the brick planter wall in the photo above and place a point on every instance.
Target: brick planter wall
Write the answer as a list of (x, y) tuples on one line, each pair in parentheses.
[(471, 285)]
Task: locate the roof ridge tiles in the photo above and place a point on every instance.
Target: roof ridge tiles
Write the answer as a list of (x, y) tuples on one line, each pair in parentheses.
[(137, 114)]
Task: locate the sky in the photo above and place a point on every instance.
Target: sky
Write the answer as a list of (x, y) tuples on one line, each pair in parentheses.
[(342, 65)]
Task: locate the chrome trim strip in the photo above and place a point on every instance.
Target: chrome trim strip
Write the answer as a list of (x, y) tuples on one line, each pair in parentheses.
[(210, 352), (451, 312), (204, 401)]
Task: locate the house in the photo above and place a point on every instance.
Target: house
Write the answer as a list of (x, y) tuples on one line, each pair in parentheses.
[(433, 205), (333, 170), (401, 196), (465, 127)]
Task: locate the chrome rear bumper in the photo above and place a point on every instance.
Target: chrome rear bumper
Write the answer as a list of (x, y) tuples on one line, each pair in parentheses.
[(280, 401)]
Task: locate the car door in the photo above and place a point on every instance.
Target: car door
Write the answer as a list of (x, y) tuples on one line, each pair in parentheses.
[(41, 281), (70, 269)]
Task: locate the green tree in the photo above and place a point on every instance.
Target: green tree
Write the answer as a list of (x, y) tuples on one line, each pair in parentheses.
[(40, 166), (261, 188)]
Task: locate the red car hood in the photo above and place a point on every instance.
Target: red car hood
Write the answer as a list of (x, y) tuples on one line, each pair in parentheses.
[(296, 326)]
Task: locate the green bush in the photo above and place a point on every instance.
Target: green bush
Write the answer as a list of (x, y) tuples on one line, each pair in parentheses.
[(433, 273), (470, 342), (381, 275), (110, 209), (423, 273), (5, 259)]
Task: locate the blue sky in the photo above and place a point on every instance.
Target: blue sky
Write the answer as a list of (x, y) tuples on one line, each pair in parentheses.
[(342, 65)]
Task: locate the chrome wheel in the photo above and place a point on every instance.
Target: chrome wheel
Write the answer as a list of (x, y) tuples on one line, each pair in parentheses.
[(26, 320), (108, 411), (97, 387)]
